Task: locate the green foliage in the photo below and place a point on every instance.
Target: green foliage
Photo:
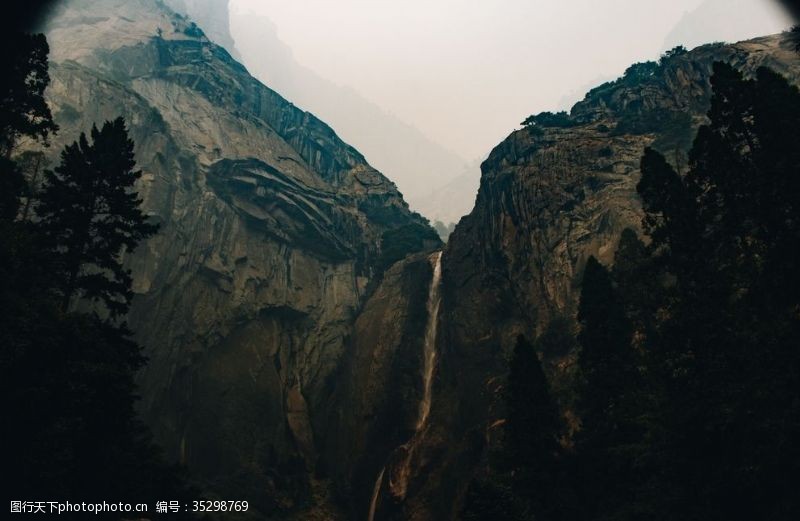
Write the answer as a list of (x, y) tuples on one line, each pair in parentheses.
[(674, 127), (669, 207), (637, 75), (794, 35), (638, 284), (444, 230), (193, 30), (606, 361), (676, 132), (558, 339), (550, 120), (634, 75), (671, 54), (67, 384), (610, 392), (526, 482), (725, 234), (691, 373), (91, 216), (532, 421), (398, 243), (23, 109), (639, 72)]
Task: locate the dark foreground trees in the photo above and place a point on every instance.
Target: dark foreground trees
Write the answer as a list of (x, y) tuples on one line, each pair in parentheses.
[(727, 349), (527, 475), (715, 303), (689, 361), (90, 215), (67, 362)]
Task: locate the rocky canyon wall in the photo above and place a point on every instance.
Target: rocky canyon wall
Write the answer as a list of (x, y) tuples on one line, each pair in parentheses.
[(272, 229), (286, 347), (551, 195)]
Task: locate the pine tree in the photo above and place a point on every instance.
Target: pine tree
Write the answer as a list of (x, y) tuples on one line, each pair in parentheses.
[(531, 431), (639, 285), (731, 378), (670, 212), (606, 360), (67, 379), (91, 216), (609, 440), (23, 109), (523, 480), (532, 418)]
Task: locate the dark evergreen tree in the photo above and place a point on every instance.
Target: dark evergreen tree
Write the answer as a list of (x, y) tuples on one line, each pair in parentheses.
[(729, 319), (558, 339), (606, 360), (639, 285), (610, 438), (523, 480), (670, 213), (91, 216), (23, 109), (532, 449), (67, 386), (532, 423)]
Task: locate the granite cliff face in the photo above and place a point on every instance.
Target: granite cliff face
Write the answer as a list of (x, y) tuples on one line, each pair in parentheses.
[(417, 164), (271, 232), (551, 195), (213, 16), (282, 351)]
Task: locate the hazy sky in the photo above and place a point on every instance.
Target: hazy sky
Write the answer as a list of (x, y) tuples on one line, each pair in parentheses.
[(466, 72)]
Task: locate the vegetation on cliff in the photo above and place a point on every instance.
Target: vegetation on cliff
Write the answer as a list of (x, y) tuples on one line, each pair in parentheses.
[(688, 364), (398, 243), (67, 365)]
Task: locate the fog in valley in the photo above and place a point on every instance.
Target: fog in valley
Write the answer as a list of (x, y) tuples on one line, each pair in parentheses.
[(425, 89)]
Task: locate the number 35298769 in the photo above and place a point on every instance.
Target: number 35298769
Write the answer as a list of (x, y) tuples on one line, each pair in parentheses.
[(220, 506)]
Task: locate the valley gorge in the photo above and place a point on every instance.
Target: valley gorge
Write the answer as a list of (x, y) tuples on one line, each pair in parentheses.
[(313, 346), (271, 236)]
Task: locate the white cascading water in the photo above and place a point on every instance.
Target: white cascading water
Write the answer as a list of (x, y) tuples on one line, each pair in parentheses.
[(429, 352), (375, 493), (398, 480)]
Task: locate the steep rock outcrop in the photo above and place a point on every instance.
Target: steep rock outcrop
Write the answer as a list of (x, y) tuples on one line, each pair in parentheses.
[(401, 151), (271, 228), (550, 196), (214, 18), (380, 385)]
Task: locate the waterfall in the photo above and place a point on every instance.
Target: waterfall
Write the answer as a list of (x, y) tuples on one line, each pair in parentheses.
[(399, 474), (429, 349), (375, 493)]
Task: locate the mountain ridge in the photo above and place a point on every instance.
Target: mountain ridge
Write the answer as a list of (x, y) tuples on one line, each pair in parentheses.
[(552, 194), (273, 232), (418, 165)]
